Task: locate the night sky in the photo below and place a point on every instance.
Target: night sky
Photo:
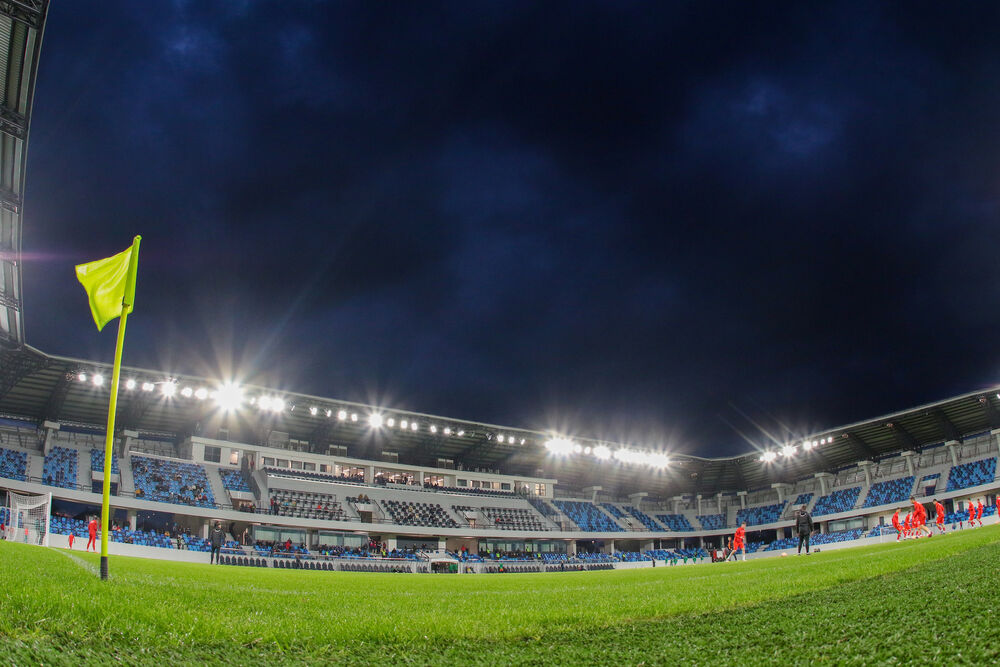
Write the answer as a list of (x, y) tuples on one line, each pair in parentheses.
[(640, 222)]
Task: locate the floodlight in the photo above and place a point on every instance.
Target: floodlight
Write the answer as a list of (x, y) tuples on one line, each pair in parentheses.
[(168, 389), (98, 380), (130, 384), (404, 424), (577, 448), (329, 413), (375, 420), (201, 393), (228, 397), (658, 460), (82, 377), (447, 431), (788, 451), (433, 428), (278, 405), (602, 452), (354, 416), (342, 415), (522, 441), (769, 456), (264, 402), (413, 426), (560, 446), (390, 422), (807, 445), (186, 392), (461, 433), (313, 410), (148, 386)]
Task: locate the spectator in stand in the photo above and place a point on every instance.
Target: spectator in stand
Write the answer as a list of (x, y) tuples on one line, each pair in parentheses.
[(215, 538), (804, 527)]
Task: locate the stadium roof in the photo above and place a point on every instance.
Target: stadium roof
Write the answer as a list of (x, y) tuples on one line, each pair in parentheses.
[(21, 25), (38, 387)]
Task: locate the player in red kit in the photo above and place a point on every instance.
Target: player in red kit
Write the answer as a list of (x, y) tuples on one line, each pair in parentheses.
[(939, 515), (979, 511), (739, 541), (906, 525), (972, 514), (92, 529), (895, 524), (71, 536), (920, 518)]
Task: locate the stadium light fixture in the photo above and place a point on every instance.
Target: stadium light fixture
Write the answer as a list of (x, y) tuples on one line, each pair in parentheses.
[(229, 397), (82, 377), (264, 402), (354, 416), (390, 422), (186, 392), (447, 430), (404, 424), (560, 446), (577, 449), (413, 426), (807, 445), (278, 405), (601, 452), (329, 413), (313, 410), (769, 456), (433, 428), (375, 420), (201, 393), (148, 386), (788, 451), (97, 379), (342, 415), (461, 433), (130, 384), (522, 442), (168, 389)]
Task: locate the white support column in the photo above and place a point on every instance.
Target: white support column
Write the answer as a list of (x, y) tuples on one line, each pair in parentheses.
[(952, 446), (718, 502), (369, 474), (698, 497), (636, 499), (996, 439), (782, 489), (390, 542), (824, 482), (592, 490), (866, 467), (743, 499), (676, 502), (131, 519), (51, 429)]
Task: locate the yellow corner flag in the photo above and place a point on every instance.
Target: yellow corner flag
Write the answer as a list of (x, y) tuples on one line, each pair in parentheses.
[(110, 285), (105, 281)]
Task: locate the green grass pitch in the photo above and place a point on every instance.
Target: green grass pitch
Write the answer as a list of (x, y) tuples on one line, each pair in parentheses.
[(930, 601)]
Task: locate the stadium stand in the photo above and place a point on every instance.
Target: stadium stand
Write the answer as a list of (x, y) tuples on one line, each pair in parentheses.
[(613, 510), (469, 490), (543, 507), (308, 505), (232, 480), (966, 475), (889, 491), (315, 476), (60, 469), (97, 461), (13, 464), (64, 526), (513, 518), (712, 521), (587, 516), (407, 513), (838, 501), (802, 499), (675, 522), (174, 482), (836, 536), (782, 544), (646, 520), (756, 516)]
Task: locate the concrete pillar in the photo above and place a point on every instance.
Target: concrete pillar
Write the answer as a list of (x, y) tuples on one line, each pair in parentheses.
[(676, 502), (996, 439), (824, 482), (718, 502), (442, 544), (866, 468), (636, 499), (370, 474), (952, 446), (390, 542), (609, 547), (783, 490), (743, 499), (131, 514), (51, 429), (205, 528), (571, 548), (698, 497), (592, 490)]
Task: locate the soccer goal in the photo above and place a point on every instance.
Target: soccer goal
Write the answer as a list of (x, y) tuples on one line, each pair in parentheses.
[(28, 518)]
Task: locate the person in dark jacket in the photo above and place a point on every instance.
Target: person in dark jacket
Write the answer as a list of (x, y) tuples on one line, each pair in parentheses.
[(804, 527), (216, 537)]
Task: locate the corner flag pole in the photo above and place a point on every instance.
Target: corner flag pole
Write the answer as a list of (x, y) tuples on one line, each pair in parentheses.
[(127, 301)]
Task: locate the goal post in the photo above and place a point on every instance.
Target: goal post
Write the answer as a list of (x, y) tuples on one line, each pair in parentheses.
[(28, 518)]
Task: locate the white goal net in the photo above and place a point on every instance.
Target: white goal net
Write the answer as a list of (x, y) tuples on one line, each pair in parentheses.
[(28, 518)]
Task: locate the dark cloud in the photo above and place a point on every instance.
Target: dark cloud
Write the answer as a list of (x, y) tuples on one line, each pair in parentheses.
[(633, 221)]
